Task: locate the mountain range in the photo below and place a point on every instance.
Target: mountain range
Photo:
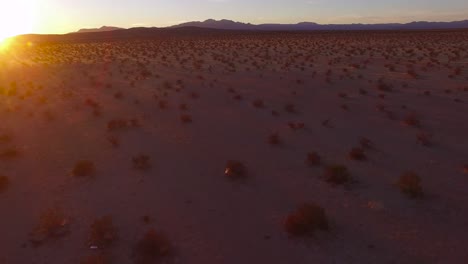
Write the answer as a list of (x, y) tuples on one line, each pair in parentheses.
[(306, 26)]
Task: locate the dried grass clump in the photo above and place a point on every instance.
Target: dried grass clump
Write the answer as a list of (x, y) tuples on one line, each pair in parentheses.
[(186, 119), (424, 138), (274, 139), (84, 168), (153, 246), (4, 183), (258, 103), (357, 154), (410, 185), (337, 174), (53, 224), (366, 143), (235, 169), (5, 138), (141, 162), (290, 108), (9, 154), (103, 233), (305, 220), (412, 120)]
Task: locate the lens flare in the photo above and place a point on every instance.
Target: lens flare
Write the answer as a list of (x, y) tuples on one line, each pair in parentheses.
[(16, 17)]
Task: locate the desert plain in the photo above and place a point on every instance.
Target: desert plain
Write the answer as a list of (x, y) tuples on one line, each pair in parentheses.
[(235, 147)]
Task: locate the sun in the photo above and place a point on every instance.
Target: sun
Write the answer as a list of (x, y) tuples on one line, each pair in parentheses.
[(16, 17)]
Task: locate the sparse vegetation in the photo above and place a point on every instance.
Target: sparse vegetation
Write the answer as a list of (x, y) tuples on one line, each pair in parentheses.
[(357, 154), (410, 185), (141, 162), (4, 183), (84, 168), (337, 174), (235, 169), (103, 233), (53, 224), (306, 220), (153, 246)]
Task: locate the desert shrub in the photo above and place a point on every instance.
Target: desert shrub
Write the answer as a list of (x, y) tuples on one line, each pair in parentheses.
[(9, 154), (103, 233), (118, 95), (84, 168), (4, 183), (194, 95), (5, 138), (152, 247), (424, 139), (274, 139), (235, 169), (337, 174), (410, 184), (163, 104), (411, 120), (366, 143), (113, 140), (357, 154), (313, 159), (186, 119), (305, 220), (183, 107), (141, 162), (53, 224), (258, 103), (290, 108)]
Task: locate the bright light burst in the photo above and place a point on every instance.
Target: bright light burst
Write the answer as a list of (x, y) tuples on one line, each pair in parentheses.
[(16, 17)]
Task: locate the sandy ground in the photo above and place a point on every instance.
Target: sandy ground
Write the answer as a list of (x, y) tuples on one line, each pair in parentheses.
[(56, 102)]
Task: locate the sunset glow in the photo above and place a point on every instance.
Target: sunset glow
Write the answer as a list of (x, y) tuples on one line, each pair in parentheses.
[(16, 17)]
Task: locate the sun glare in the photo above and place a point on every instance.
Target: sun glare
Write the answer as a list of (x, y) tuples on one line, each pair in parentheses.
[(16, 17)]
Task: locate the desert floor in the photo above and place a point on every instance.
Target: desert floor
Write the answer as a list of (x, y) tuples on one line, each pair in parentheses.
[(141, 131)]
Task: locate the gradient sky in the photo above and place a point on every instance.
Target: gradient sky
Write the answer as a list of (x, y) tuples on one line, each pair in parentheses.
[(60, 16)]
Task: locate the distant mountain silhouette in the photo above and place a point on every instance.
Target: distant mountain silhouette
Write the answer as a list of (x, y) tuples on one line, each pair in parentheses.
[(232, 25), (226, 28), (101, 29)]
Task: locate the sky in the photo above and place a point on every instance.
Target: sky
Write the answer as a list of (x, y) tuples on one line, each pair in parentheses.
[(61, 16)]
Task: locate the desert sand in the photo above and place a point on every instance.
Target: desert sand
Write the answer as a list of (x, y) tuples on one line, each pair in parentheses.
[(200, 149)]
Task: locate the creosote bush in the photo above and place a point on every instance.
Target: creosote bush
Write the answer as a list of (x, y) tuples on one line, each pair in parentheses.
[(186, 119), (235, 169), (305, 220), (274, 139), (357, 154), (337, 174), (103, 233), (410, 185), (152, 247), (4, 183), (411, 120), (53, 224), (84, 168), (141, 162), (258, 103), (8, 154)]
